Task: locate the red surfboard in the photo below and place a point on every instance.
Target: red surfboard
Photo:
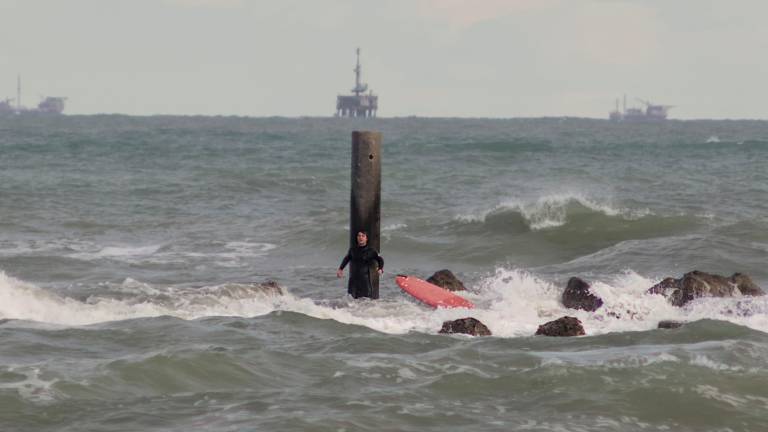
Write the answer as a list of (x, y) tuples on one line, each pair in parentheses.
[(431, 294)]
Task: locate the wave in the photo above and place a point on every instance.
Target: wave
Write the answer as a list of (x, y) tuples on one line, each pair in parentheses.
[(551, 211), (511, 302), (225, 254), (550, 230), (131, 299)]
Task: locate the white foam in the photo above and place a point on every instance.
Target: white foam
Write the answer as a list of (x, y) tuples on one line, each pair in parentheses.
[(249, 249), (550, 211), (33, 387), (512, 303), (702, 360), (127, 251), (394, 227)]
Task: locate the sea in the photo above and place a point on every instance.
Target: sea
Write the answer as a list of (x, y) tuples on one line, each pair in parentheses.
[(133, 253)]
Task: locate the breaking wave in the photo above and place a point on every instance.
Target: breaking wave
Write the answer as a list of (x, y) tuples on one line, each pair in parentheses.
[(551, 211), (511, 302)]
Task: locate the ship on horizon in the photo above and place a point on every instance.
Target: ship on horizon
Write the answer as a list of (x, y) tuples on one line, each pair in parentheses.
[(49, 105), (652, 112)]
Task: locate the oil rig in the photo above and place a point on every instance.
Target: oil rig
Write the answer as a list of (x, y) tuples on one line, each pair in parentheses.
[(49, 105), (652, 112), (358, 104)]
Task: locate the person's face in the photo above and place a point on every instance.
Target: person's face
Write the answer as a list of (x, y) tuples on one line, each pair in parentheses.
[(362, 239)]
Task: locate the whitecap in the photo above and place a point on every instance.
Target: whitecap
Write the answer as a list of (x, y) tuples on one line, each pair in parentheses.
[(551, 210)]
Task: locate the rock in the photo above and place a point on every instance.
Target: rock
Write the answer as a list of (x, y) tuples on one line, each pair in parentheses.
[(565, 326), (577, 296), (446, 279), (469, 326), (745, 285), (665, 287), (697, 284), (246, 289), (669, 324), (272, 288)]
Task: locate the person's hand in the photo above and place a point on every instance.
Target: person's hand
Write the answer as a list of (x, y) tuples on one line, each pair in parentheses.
[(339, 273), (381, 271)]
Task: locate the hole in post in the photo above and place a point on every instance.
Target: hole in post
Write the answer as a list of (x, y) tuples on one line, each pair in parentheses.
[(370, 156)]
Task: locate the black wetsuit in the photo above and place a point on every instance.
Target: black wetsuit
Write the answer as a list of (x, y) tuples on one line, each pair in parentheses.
[(362, 258)]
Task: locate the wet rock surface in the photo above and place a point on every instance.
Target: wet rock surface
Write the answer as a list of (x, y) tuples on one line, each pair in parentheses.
[(565, 326), (698, 284), (669, 324), (446, 279), (470, 326), (578, 296)]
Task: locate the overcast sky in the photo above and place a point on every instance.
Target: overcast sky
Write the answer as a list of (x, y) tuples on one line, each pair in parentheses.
[(468, 58)]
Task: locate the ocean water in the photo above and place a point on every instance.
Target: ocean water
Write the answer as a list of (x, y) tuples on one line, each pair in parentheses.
[(132, 249)]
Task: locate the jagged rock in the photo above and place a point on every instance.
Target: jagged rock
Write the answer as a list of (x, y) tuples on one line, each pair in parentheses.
[(565, 326), (665, 287), (446, 279), (669, 324), (697, 284), (469, 326), (577, 296)]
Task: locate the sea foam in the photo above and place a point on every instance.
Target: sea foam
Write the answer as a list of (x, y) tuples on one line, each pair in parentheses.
[(511, 302), (551, 210)]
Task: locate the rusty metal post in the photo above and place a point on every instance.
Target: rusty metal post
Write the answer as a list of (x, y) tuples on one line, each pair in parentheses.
[(365, 203)]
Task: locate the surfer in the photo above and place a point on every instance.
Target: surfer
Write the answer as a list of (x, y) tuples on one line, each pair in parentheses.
[(362, 257)]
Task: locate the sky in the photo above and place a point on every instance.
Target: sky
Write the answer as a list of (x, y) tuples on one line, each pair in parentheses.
[(431, 58)]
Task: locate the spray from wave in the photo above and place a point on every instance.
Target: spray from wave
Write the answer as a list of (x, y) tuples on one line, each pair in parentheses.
[(512, 303)]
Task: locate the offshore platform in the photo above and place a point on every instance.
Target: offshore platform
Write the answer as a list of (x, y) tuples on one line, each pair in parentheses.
[(49, 105), (652, 112), (358, 104)]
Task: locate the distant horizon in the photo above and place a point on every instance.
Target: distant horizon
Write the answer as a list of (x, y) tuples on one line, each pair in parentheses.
[(364, 120), (434, 58)]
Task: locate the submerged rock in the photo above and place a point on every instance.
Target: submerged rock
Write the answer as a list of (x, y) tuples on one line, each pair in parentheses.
[(578, 296), (669, 324), (565, 326), (446, 279), (470, 326), (246, 290), (698, 284)]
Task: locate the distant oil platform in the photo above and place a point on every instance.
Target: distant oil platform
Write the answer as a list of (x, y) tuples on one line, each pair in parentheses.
[(49, 105), (652, 112), (358, 104)]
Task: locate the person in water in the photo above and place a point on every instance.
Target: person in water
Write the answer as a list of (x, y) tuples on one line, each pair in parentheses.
[(362, 257)]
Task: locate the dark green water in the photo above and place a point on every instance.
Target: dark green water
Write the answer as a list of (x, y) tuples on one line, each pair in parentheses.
[(130, 249)]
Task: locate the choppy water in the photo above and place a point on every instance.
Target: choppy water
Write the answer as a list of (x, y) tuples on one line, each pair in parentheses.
[(130, 247)]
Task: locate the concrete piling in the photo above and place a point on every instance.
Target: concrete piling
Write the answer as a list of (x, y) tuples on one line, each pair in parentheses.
[(365, 201)]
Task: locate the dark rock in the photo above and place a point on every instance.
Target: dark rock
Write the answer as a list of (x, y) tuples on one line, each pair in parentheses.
[(745, 285), (565, 326), (668, 324), (446, 279), (697, 284), (665, 287), (271, 287), (246, 289), (577, 296), (469, 326)]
